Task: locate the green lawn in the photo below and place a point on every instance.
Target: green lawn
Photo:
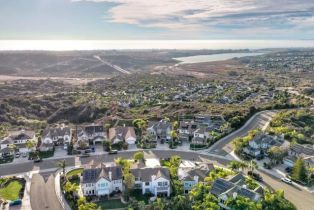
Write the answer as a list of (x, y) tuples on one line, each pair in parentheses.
[(76, 171), (11, 192), (111, 204)]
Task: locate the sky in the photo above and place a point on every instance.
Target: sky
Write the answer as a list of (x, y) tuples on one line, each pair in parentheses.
[(156, 19)]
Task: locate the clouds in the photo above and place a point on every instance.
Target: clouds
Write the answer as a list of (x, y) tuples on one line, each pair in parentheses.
[(212, 14)]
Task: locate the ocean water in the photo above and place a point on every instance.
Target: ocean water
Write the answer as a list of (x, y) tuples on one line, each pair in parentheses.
[(62, 45), (214, 57)]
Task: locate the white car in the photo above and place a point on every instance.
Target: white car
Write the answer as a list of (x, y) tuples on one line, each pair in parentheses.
[(286, 180)]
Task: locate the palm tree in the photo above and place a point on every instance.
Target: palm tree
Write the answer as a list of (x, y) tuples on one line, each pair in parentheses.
[(62, 165)]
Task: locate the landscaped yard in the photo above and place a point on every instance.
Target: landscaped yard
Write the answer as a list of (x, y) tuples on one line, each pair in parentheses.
[(76, 171), (111, 204), (137, 194), (11, 191)]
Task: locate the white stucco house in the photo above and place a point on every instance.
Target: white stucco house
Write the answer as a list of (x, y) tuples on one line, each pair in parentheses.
[(52, 136)]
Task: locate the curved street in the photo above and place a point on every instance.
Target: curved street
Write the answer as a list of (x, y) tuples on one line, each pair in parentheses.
[(218, 154)]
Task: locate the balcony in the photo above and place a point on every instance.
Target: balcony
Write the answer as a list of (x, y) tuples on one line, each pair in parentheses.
[(162, 188)]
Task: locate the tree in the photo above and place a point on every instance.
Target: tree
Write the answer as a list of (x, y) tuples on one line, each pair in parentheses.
[(175, 125), (129, 181), (140, 124), (159, 204), (136, 205), (83, 205), (276, 201), (62, 165), (241, 203), (276, 154), (30, 144), (180, 202), (174, 134), (200, 198), (138, 156), (70, 188), (299, 171), (237, 165)]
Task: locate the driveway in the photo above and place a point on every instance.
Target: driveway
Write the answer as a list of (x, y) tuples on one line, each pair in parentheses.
[(43, 194)]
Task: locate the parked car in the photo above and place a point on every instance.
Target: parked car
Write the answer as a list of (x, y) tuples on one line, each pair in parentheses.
[(286, 180), (87, 151), (17, 155), (113, 152), (15, 202), (38, 160), (288, 169), (24, 155), (255, 176)]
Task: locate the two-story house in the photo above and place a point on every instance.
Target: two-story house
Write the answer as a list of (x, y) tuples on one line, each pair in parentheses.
[(201, 136), (194, 175), (160, 130), (53, 136), (187, 129), (19, 139), (233, 187), (261, 143), (102, 180), (122, 134), (154, 181), (87, 135)]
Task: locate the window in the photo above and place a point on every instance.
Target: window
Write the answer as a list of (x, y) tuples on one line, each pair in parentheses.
[(146, 183)]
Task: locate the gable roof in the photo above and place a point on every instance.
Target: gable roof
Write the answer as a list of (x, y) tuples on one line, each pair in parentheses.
[(92, 175), (56, 132), (121, 133), (146, 173)]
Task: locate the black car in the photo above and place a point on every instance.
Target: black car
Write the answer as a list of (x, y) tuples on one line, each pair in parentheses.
[(255, 176)]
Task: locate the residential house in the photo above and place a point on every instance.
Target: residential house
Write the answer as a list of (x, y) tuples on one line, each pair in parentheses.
[(101, 180), (201, 136), (212, 122), (298, 150), (154, 181), (89, 135), (19, 139), (187, 129), (226, 188), (261, 143), (160, 130), (194, 175), (52, 136), (122, 134)]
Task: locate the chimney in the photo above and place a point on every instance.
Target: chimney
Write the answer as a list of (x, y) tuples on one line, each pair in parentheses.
[(110, 175), (196, 179)]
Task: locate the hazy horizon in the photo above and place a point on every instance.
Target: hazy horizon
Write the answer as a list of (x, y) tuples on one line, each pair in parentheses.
[(68, 45)]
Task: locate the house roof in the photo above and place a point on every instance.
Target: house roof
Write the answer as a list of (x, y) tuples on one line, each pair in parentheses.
[(221, 186), (237, 179), (305, 149), (92, 175), (247, 193), (162, 125), (267, 139), (146, 173), (121, 133), (56, 132)]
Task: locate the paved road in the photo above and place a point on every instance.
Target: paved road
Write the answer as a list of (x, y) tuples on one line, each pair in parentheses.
[(260, 120), (302, 199), (42, 193), (50, 165)]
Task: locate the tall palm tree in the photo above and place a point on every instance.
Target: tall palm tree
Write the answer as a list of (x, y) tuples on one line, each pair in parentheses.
[(62, 165)]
